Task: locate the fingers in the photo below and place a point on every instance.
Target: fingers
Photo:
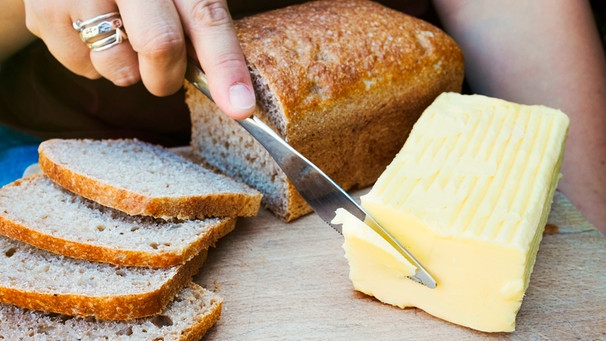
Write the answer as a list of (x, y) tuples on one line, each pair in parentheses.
[(51, 21), (118, 63), (155, 51), (156, 36), (209, 27)]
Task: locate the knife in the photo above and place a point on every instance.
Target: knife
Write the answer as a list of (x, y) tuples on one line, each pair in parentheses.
[(318, 189)]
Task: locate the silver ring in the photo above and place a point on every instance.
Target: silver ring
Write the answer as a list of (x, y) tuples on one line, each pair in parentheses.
[(101, 32), (79, 25), (109, 41)]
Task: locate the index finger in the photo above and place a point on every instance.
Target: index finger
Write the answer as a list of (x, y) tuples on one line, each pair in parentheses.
[(210, 29)]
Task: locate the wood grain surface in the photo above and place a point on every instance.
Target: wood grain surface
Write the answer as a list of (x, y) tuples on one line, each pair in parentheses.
[(290, 282)]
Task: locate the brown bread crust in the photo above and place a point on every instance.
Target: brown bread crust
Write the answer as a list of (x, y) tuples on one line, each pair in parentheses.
[(191, 314), (318, 70), (343, 82), (204, 323), (98, 253), (191, 207), (123, 307)]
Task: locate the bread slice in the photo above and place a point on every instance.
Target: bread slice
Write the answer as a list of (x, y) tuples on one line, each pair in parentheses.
[(193, 312), (342, 81), (144, 179), (36, 279), (37, 211)]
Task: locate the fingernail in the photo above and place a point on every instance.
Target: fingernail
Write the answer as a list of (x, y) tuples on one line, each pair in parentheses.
[(241, 97)]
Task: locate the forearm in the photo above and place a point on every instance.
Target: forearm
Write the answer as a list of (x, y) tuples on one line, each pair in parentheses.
[(13, 33), (543, 52)]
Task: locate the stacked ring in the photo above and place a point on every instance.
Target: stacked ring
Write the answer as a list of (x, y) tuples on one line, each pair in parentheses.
[(101, 32)]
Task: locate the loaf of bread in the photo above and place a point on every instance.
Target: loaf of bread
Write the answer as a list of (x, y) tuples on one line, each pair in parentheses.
[(37, 211), (341, 81), (36, 279), (187, 318), (139, 178)]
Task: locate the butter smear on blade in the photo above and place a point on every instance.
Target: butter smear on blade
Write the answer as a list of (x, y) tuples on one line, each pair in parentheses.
[(468, 195)]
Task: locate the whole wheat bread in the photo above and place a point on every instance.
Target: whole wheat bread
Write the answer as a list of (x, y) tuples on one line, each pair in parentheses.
[(37, 211), (36, 279), (193, 311), (144, 179), (342, 81)]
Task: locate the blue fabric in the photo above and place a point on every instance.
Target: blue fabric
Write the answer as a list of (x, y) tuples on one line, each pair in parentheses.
[(17, 152)]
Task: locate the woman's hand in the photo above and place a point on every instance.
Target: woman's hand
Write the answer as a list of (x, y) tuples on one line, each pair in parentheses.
[(156, 49)]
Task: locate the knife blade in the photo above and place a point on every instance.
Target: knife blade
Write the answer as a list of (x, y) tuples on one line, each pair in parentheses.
[(318, 189)]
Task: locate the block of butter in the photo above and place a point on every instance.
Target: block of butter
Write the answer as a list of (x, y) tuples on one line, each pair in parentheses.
[(468, 195)]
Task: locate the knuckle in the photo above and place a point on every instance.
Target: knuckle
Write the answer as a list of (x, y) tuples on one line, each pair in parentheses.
[(228, 61), (210, 13), (161, 44)]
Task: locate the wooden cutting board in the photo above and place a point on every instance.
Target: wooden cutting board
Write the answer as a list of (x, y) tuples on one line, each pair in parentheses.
[(290, 282)]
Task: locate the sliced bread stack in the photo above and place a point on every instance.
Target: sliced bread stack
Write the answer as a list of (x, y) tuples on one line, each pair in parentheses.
[(105, 242)]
